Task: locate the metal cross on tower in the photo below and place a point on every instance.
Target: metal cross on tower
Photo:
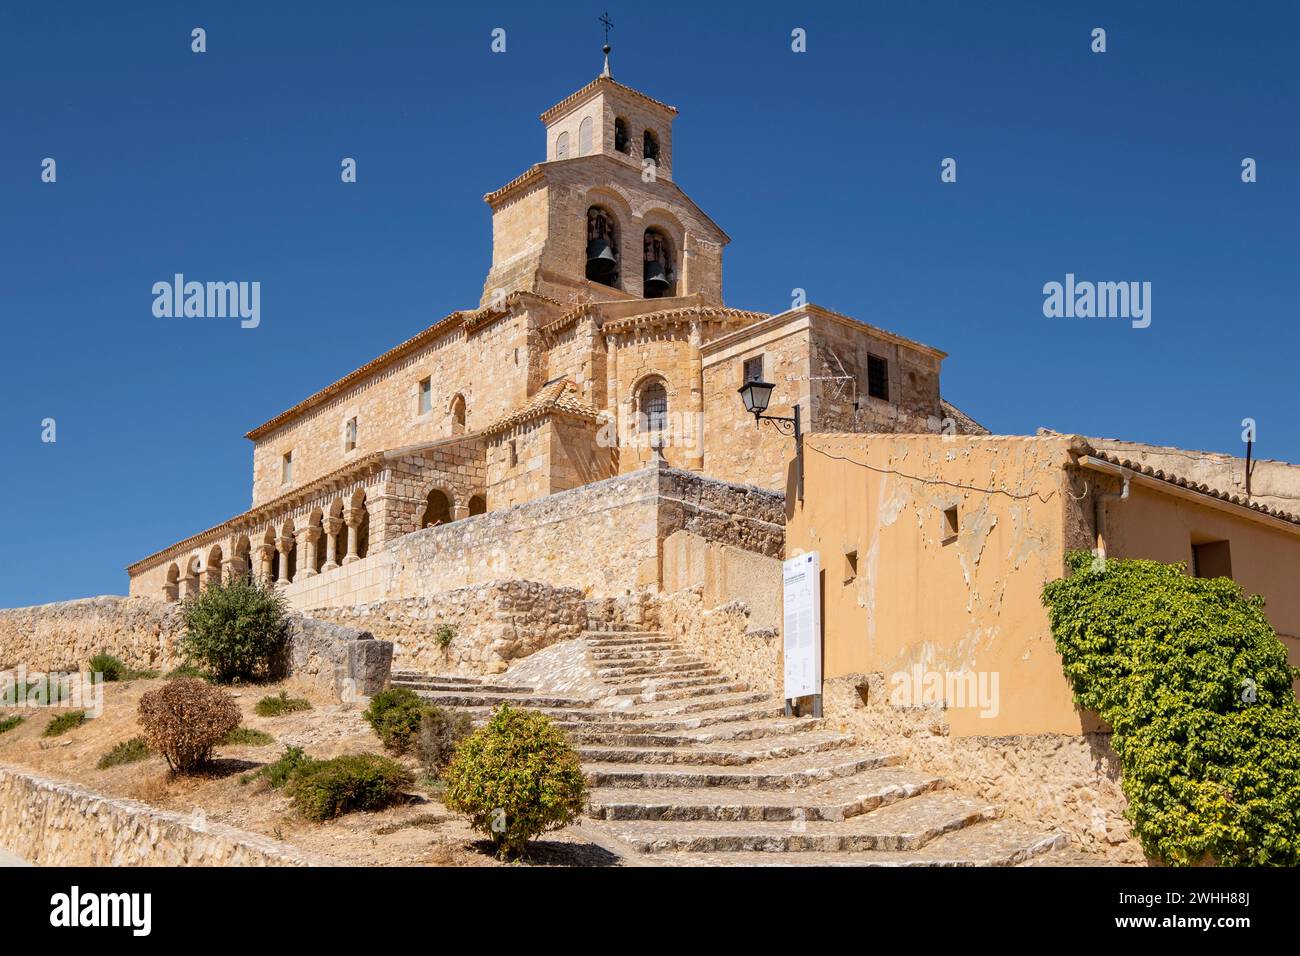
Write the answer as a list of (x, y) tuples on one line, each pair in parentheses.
[(609, 25)]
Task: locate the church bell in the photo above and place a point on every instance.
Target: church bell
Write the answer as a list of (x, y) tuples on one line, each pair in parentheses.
[(601, 263), (656, 279)]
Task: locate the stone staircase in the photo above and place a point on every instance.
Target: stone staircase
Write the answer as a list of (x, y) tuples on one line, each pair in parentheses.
[(688, 767)]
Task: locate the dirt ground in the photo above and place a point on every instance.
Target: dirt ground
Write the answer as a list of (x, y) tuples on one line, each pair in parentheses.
[(420, 832)]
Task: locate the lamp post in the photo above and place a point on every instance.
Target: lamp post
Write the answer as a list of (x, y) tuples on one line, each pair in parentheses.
[(756, 395)]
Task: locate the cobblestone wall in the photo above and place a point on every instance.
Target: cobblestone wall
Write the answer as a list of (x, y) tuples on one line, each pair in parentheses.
[(48, 823)]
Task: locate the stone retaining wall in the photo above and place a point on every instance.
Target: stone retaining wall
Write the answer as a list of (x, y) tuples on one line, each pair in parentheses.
[(49, 823), (1070, 781), (494, 623), (145, 635)]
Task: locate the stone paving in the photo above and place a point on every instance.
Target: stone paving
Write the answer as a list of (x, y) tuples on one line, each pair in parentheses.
[(690, 768)]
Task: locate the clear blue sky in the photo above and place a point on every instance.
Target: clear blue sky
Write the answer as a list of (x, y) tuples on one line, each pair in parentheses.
[(823, 167)]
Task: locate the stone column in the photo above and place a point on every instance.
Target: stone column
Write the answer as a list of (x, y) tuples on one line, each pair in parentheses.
[(306, 552), (234, 567), (352, 518), (459, 511), (265, 554), (692, 436), (332, 525), (283, 544), (612, 398), (189, 585), (209, 576)]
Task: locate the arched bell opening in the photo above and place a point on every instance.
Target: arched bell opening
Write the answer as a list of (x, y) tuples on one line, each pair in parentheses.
[(602, 247), (659, 276)]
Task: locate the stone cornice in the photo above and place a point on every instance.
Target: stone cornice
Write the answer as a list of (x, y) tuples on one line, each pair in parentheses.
[(666, 317), (600, 83)]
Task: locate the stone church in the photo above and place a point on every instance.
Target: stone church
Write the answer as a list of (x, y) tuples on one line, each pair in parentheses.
[(600, 343)]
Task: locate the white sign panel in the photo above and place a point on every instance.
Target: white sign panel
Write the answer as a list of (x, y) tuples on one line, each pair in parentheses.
[(803, 625)]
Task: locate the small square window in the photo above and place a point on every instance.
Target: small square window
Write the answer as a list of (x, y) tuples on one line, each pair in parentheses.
[(878, 377), (1213, 559), (754, 369), (426, 395), (850, 566), (350, 434), (286, 468), (951, 524)]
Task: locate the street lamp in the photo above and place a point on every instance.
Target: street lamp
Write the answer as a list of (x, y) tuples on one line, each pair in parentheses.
[(756, 395)]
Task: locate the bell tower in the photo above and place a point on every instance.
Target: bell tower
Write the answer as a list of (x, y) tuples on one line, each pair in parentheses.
[(601, 214)]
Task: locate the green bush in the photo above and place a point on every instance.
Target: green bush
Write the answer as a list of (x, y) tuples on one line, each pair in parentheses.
[(238, 631), (325, 789), (108, 665), (185, 719), (444, 635), (281, 705), (395, 716), (128, 751), (515, 778), (440, 732), (1194, 683), (278, 771), (9, 723), (189, 670), (247, 737), (64, 722)]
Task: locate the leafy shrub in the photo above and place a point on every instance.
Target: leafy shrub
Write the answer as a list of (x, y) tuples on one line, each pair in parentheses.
[(277, 772), (185, 719), (128, 751), (325, 789), (281, 705), (444, 635), (9, 723), (237, 630), (1193, 681), (64, 722), (108, 665), (515, 778), (440, 732), (247, 737), (395, 716)]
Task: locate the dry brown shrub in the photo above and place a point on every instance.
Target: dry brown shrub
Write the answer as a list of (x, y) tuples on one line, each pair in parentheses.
[(185, 719)]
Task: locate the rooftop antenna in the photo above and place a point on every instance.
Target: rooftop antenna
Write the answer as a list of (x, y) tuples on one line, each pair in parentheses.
[(609, 25)]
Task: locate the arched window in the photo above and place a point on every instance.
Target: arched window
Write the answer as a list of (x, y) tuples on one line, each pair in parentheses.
[(652, 407), (584, 137), (477, 505), (659, 273), (622, 142), (650, 146), (602, 247), (437, 510), (562, 146), (458, 415)]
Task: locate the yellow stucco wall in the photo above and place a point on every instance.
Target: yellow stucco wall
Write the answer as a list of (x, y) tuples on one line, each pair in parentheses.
[(965, 605)]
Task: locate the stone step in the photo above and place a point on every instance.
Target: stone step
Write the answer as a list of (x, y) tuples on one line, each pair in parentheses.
[(667, 682), (802, 771), (470, 698), (418, 685), (905, 825), (634, 671), (992, 843), (672, 706), (837, 800), (731, 754), (631, 734), (601, 635), (630, 643), (707, 684), (396, 676), (599, 720), (699, 694)]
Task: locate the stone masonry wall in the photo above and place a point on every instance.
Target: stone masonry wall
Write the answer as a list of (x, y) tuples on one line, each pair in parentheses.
[(146, 634), (48, 823), (493, 624), (1071, 781)]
